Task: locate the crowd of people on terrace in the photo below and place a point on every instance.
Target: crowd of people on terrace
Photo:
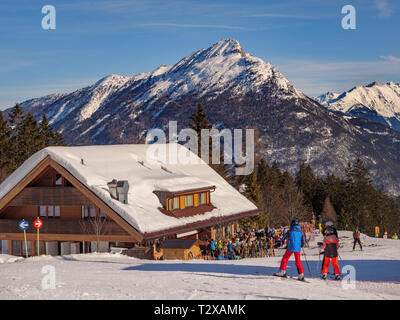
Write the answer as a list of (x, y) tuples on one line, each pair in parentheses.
[(250, 243)]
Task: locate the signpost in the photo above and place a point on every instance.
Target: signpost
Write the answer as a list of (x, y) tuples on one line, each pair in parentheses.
[(38, 224), (24, 225)]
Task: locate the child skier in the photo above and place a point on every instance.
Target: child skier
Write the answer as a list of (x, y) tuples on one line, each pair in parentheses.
[(331, 246), (296, 242), (356, 236)]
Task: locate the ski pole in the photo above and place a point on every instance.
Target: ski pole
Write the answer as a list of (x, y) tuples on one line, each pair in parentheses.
[(305, 258)]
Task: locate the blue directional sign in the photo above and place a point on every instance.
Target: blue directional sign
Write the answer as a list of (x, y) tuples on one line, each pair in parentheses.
[(23, 225)]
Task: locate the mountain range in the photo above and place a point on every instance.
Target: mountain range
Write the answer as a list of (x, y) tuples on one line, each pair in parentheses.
[(237, 91), (377, 102)]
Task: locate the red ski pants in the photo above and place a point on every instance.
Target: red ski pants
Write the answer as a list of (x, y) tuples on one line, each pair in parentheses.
[(335, 265), (286, 258)]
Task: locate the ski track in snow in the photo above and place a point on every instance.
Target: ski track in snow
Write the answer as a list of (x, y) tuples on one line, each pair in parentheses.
[(114, 276)]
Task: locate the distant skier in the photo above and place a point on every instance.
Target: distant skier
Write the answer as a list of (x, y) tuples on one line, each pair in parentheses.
[(356, 236), (331, 246), (319, 221), (296, 242), (395, 237), (212, 247)]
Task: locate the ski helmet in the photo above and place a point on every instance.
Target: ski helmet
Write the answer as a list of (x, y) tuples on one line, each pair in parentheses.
[(329, 224), (329, 230), (294, 222)]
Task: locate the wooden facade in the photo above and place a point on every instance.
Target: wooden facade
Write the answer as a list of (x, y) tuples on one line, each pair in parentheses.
[(60, 200)]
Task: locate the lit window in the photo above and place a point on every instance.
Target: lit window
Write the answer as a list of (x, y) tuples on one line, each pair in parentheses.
[(203, 198), (189, 200), (174, 203)]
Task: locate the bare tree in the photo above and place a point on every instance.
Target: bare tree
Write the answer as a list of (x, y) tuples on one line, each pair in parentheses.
[(96, 225)]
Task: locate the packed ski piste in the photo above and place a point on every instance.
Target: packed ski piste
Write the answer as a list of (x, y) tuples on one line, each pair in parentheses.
[(330, 264)]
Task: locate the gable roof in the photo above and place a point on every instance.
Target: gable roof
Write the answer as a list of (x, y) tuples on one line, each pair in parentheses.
[(146, 172)]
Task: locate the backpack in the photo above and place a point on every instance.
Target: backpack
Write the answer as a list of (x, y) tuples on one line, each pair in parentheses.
[(356, 234)]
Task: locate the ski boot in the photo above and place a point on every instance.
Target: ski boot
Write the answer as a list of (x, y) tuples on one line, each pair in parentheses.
[(323, 276), (281, 273), (301, 277), (337, 277)]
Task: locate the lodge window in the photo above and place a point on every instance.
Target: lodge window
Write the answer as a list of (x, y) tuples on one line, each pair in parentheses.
[(187, 201), (88, 212), (91, 212), (203, 198), (59, 180), (174, 203), (50, 211)]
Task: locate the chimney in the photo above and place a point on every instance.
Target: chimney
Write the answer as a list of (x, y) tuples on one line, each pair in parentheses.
[(119, 190), (122, 191), (113, 188)]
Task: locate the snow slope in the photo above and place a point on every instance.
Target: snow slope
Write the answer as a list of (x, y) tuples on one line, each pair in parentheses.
[(113, 276)]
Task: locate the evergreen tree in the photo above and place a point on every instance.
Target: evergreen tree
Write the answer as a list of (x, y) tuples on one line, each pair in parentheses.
[(5, 132), (21, 137), (328, 212), (253, 193), (200, 122), (29, 139), (51, 137)]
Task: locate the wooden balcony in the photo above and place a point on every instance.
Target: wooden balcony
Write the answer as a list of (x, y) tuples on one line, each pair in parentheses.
[(50, 196), (64, 230), (53, 225)]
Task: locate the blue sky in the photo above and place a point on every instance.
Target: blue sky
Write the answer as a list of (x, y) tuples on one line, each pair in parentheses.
[(302, 38)]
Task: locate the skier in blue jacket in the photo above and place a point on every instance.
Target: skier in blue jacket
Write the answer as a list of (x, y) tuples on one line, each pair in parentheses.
[(212, 247), (296, 242)]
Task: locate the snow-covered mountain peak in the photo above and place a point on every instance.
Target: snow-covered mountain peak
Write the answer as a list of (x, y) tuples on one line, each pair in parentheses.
[(225, 47), (160, 70), (222, 67), (326, 97), (111, 80), (379, 102)]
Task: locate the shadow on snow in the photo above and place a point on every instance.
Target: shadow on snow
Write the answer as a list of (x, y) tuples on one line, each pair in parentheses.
[(366, 270)]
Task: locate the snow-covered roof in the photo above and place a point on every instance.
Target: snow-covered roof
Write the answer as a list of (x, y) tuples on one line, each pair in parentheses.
[(145, 173)]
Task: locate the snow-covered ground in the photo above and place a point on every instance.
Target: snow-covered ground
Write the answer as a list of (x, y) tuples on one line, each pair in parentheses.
[(114, 276)]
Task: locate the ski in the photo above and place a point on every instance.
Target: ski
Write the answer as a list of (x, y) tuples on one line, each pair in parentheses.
[(291, 278)]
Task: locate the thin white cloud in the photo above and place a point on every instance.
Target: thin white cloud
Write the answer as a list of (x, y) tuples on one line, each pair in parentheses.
[(10, 96), (282, 15), (391, 58), (185, 25), (384, 10), (316, 77)]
